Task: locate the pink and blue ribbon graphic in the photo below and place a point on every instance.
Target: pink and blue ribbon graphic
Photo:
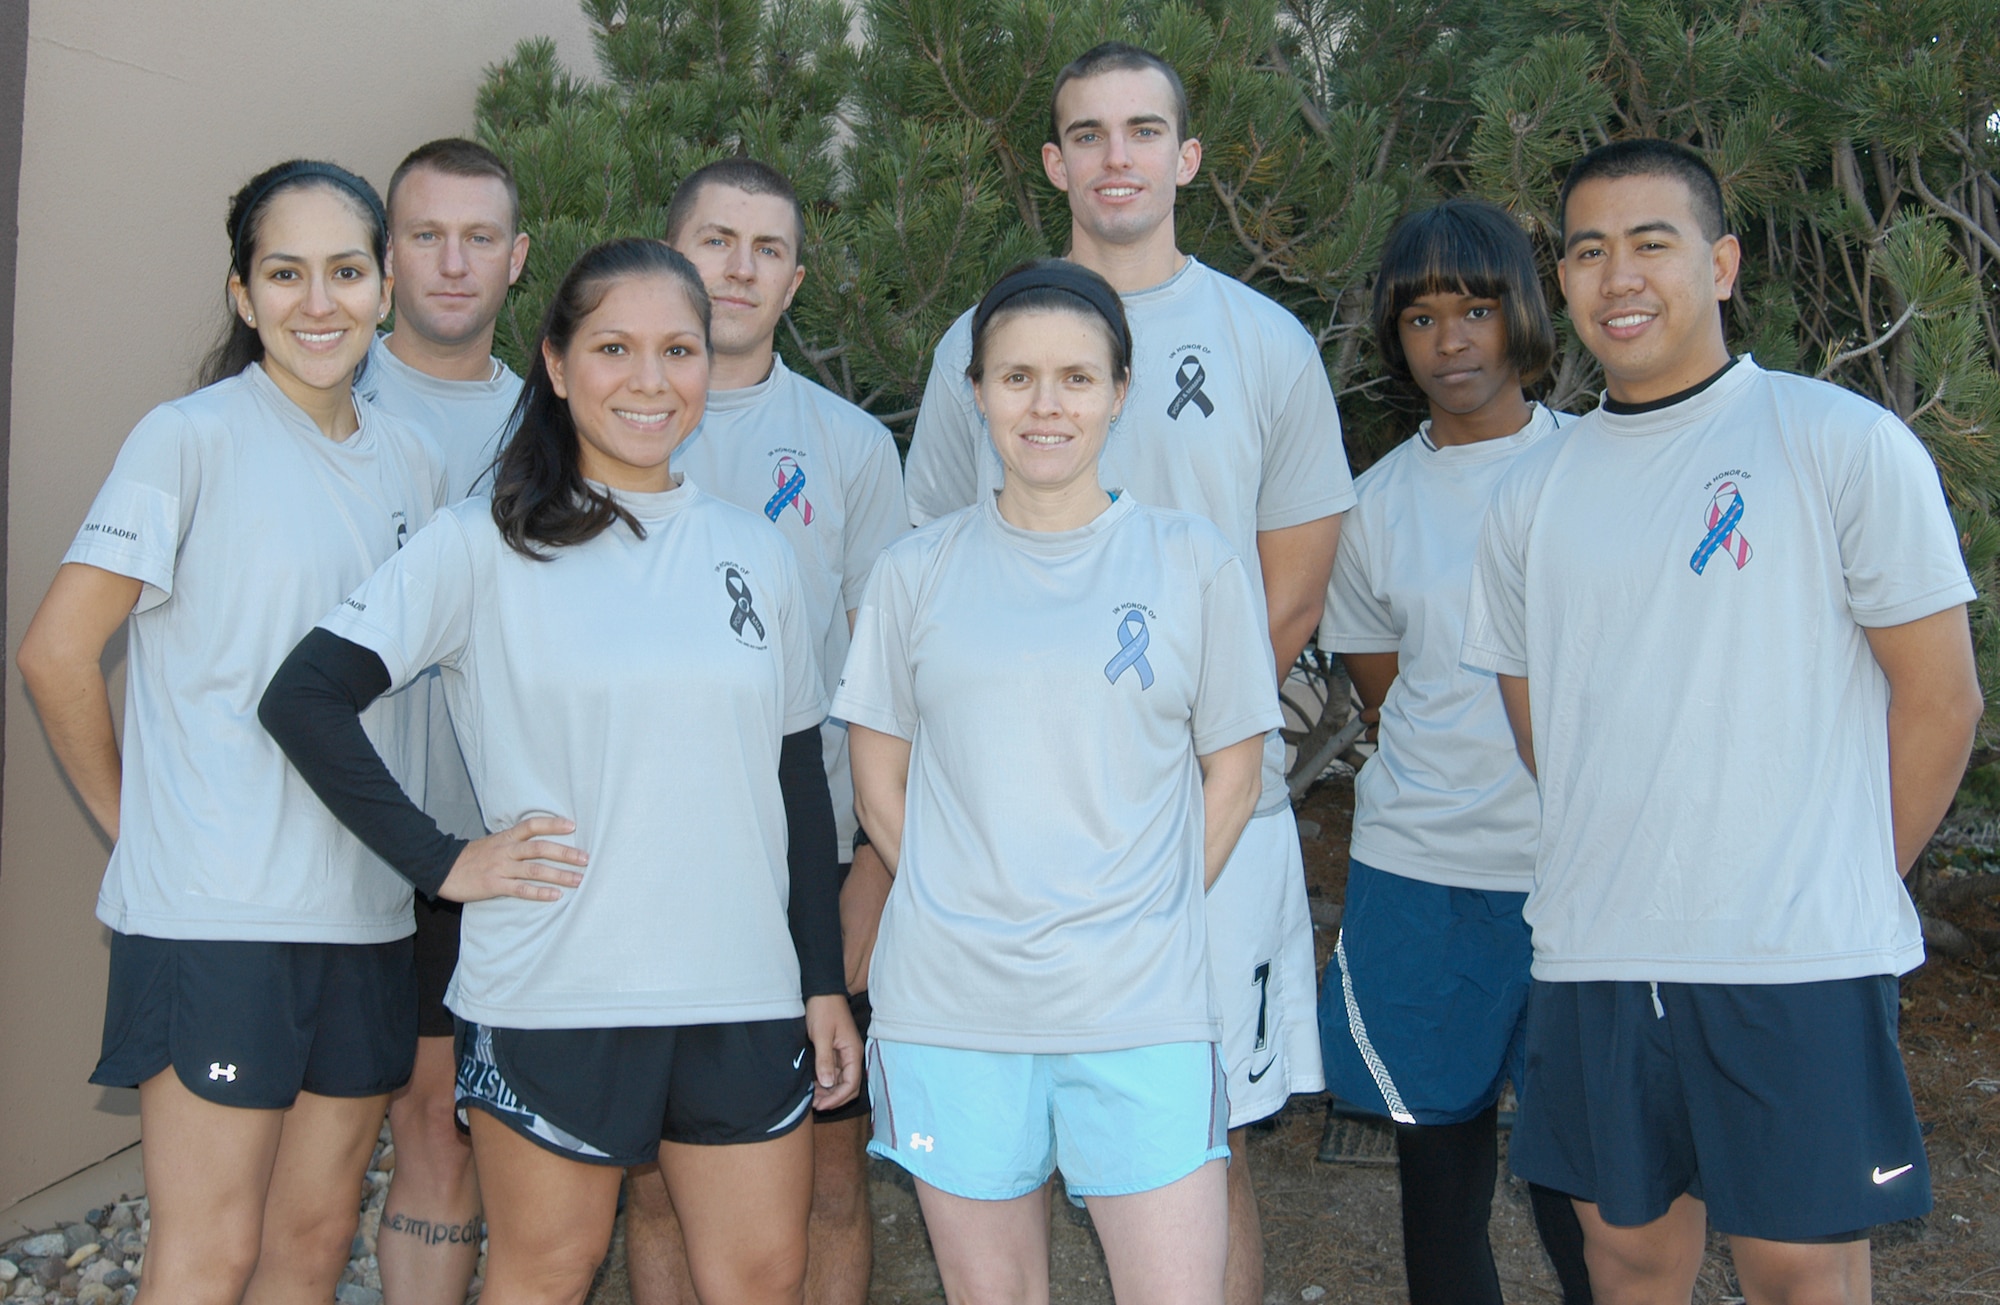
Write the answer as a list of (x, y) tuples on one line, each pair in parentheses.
[(791, 478), (1725, 512), (1132, 640)]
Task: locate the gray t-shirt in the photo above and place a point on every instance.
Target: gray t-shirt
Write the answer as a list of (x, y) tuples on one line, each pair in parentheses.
[(1057, 690), (466, 422), (1445, 799), (244, 524), (639, 687), (827, 475), (1230, 417), (1687, 592)]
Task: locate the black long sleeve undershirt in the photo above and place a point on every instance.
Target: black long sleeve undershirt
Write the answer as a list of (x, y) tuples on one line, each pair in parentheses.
[(313, 709)]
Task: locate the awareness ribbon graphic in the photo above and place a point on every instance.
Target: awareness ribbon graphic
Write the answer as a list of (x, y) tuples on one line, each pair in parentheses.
[(1132, 640), (1724, 512), (1190, 383), (791, 488), (733, 580)]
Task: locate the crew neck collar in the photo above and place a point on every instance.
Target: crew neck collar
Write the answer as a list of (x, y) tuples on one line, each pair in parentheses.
[(381, 355), (654, 506), (1698, 403), (1168, 288), (1540, 422), (1619, 409), (749, 396), (301, 422), (1056, 543)]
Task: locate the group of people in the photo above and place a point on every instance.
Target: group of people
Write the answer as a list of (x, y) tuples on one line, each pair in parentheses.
[(752, 831)]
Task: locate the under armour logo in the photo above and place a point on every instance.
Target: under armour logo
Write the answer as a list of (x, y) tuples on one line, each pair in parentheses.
[(919, 1142), (1190, 392), (739, 592), (218, 1070)]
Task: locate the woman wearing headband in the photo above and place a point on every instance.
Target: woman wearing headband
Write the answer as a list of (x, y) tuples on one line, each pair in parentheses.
[(261, 989), (1058, 700)]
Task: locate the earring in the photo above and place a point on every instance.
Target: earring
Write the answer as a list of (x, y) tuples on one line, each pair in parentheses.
[(382, 316), (250, 320)]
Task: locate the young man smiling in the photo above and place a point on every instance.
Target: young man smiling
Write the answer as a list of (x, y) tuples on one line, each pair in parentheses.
[(826, 474), (1728, 617), (456, 246), (1230, 416)]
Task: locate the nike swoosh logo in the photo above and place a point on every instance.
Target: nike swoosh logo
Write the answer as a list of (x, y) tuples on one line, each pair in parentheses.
[(1881, 1178), (800, 1059), (1256, 1074)]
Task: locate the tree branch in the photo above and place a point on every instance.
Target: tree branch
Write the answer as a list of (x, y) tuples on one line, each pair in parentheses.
[(1957, 215), (1863, 351)]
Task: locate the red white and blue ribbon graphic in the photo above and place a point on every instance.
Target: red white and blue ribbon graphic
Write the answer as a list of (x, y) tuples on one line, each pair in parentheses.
[(791, 478), (1725, 512), (1132, 640)]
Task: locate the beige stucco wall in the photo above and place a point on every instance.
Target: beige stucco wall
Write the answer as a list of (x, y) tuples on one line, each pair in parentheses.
[(141, 117)]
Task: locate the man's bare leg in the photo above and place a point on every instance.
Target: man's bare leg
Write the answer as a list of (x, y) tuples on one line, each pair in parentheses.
[(1243, 1279), (840, 1239), (428, 1243), (656, 1262)]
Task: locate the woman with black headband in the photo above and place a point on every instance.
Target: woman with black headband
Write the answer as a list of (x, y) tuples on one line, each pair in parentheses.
[(1058, 699), (261, 995)]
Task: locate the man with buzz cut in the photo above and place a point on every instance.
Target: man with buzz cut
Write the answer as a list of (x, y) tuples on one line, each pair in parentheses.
[(455, 245), (826, 475), (1728, 615), (1230, 416)]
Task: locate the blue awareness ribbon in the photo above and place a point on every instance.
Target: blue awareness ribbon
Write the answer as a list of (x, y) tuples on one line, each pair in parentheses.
[(790, 490), (1725, 525), (1132, 640)]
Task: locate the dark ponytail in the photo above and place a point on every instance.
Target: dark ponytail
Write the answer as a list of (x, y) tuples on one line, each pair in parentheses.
[(239, 345), (540, 498)]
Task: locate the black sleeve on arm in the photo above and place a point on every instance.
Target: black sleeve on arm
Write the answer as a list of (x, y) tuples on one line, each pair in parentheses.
[(313, 709), (815, 902)]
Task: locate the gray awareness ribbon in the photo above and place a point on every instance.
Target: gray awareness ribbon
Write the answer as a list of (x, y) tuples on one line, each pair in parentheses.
[(1190, 383), (740, 592)]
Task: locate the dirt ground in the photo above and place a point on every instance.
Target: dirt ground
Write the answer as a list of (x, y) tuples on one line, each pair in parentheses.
[(1331, 1230)]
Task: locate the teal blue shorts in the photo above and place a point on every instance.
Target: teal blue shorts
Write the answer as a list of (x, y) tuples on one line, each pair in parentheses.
[(991, 1125)]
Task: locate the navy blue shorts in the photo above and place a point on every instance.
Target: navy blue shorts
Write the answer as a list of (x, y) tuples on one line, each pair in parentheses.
[(253, 1024), (1783, 1106), (610, 1096), (1423, 1007)]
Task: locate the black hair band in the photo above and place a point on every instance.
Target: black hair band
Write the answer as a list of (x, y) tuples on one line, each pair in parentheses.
[(1057, 274), (309, 171)]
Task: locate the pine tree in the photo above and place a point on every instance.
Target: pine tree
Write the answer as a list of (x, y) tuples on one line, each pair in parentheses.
[(1856, 140)]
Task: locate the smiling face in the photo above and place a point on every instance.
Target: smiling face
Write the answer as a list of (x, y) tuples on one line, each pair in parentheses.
[(455, 252), (1048, 393), (1455, 346), (746, 248), (635, 376), (1642, 282), (1119, 157), (314, 292)]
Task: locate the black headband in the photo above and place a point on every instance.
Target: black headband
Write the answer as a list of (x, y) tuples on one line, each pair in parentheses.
[(306, 170), (1070, 279)]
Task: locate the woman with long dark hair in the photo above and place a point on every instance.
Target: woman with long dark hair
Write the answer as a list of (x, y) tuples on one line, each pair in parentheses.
[(656, 971), (261, 994)]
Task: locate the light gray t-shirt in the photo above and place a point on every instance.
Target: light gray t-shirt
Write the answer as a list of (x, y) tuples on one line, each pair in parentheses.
[(1445, 799), (827, 475), (244, 524), (641, 688), (1687, 592), (1230, 417), (466, 422), (1057, 690)]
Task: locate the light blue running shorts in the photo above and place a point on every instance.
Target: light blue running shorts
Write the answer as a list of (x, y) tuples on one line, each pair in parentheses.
[(992, 1126)]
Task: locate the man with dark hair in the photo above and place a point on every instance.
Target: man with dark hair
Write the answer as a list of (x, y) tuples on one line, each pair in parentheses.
[(455, 246), (1230, 416), (826, 475), (1728, 616)]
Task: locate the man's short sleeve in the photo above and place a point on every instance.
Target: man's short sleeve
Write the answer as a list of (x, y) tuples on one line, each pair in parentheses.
[(135, 524), (1357, 617), (415, 612), (1305, 475), (1496, 617), (877, 687), (1898, 547), (942, 474), (1236, 697), (877, 513)]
